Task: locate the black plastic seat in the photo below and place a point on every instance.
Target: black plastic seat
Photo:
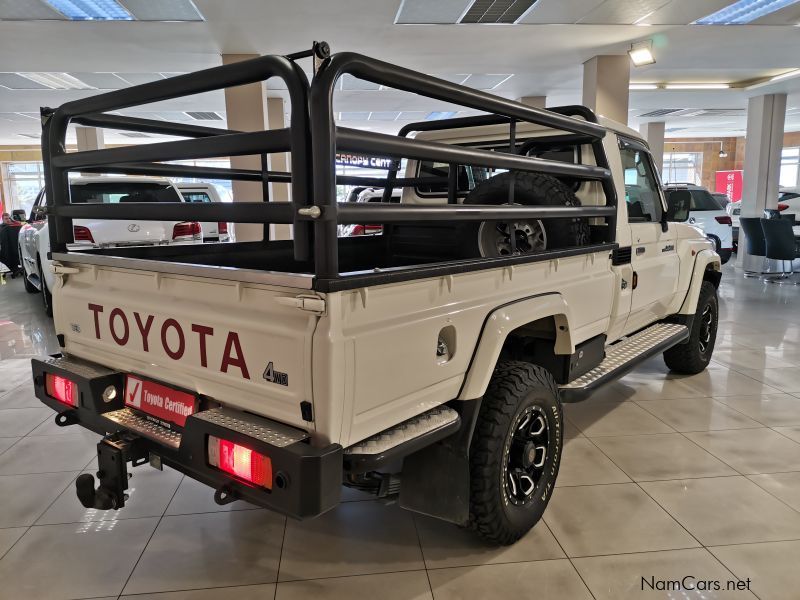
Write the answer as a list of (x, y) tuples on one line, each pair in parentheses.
[(791, 217), (780, 245), (772, 213), (754, 235)]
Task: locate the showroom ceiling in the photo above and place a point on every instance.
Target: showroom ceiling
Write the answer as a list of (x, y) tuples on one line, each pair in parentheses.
[(512, 47)]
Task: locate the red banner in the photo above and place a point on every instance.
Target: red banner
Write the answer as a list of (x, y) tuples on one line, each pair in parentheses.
[(730, 184)]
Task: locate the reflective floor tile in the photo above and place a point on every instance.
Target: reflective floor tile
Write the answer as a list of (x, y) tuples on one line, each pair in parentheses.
[(17, 422), (751, 359), (697, 414), (784, 379), (355, 538), (772, 410), (785, 486), (410, 585), (726, 510), (7, 442), (606, 519), (9, 537), (749, 451), (724, 382), (195, 497), (446, 545), (245, 592), (613, 418), (661, 456), (21, 396), (793, 433), (149, 492), (26, 497), (209, 550), (771, 567), (55, 562), (47, 454), (653, 575), (582, 463), (543, 579), (643, 386), (49, 427), (14, 373)]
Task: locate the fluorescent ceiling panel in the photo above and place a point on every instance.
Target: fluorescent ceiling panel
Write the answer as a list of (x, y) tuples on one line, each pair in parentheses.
[(354, 116), (743, 12), (28, 10), (14, 81), (91, 10), (486, 82), (682, 12), (422, 12), (350, 83), (162, 10), (661, 112), (497, 11), (386, 115), (101, 81), (139, 78), (204, 115), (559, 11), (134, 134), (622, 12), (436, 115), (457, 78), (412, 115), (58, 81)]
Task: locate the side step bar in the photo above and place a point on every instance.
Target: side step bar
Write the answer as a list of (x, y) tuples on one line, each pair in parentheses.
[(401, 440), (624, 355)]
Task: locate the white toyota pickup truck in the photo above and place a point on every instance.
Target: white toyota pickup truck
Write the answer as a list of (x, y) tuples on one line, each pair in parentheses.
[(428, 363)]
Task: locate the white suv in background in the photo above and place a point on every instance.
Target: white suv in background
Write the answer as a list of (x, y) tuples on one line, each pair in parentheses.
[(34, 238), (706, 213), (207, 192)]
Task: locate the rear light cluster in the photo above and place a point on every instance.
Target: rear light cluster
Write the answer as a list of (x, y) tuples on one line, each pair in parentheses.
[(724, 220), (782, 207), (222, 227), (240, 461), (62, 389), (82, 234), (186, 231), (366, 230)]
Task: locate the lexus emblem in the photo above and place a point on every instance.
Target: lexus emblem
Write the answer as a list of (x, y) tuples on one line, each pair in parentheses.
[(133, 228)]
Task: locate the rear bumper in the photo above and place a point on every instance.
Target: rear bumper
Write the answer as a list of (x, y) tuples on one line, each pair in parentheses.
[(306, 480)]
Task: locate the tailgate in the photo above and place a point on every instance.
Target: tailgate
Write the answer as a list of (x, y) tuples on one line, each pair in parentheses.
[(233, 342)]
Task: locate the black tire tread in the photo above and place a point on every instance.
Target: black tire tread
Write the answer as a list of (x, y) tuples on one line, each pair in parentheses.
[(510, 382), (685, 358)]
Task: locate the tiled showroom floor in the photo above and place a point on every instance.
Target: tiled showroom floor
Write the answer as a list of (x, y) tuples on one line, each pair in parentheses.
[(662, 476)]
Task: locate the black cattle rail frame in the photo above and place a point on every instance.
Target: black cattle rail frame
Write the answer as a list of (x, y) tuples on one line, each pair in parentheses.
[(313, 139)]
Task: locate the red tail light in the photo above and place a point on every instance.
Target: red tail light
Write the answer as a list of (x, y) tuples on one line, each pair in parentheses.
[(366, 229), (186, 230), (240, 461), (222, 227), (82, 234), (724, 220), (782, 207), (62, 389)]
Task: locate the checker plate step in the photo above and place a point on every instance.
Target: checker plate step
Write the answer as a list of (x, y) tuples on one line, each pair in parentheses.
[(437, 418), (621, 356), (133, 422)]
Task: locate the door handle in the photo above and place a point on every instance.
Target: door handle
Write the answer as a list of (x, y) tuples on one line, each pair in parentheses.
[(640, 250), (635, 281)]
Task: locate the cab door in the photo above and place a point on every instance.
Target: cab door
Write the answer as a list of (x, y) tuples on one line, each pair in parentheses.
[(654, 257)]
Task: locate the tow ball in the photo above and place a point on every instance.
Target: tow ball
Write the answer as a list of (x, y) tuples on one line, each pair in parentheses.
[(113, 453)]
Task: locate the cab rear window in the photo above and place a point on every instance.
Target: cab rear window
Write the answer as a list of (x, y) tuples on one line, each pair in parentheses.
[(121, 192)]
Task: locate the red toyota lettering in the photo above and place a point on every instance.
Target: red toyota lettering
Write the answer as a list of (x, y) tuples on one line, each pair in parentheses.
[(120, 339), (202, 331), (97, 309), (232, 343), (173, 354), (144, 329)]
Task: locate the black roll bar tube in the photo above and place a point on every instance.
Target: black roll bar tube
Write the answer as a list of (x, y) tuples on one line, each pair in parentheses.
[(294, 139)]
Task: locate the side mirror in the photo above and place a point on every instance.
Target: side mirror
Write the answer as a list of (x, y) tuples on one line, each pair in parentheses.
[(678, 203), (18, 215)]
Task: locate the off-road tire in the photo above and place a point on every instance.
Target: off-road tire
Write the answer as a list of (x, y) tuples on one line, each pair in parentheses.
[(530, 189), (47, 297), (693, 355), (516, 389), (29, 287)]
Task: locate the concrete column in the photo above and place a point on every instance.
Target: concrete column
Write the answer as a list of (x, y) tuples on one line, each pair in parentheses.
[(762, 159), (278, 192), (244, 106), (605, 86), (535, 101), (653, 133), (89, 138)]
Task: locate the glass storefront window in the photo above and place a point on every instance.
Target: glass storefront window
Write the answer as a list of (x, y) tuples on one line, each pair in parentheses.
[(790, 167), (21, 182), (682, 167)]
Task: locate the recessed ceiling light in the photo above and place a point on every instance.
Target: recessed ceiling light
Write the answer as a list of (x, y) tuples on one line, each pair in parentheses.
[(743, 12), (641, 53), (697, 86), (785, 75), (643, 86), (57, 81), (91, 10), (436, 115)]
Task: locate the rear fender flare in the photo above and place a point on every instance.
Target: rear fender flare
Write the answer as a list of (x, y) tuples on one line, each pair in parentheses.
[(500, 323), (705, 260)]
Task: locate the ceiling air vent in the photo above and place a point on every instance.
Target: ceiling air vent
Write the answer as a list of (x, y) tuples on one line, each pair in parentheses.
[(661, 112), (497, 11), (135, 134), (204, 115)]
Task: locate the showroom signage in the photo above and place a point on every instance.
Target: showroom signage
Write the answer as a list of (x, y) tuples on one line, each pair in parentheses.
[(730, 184), (356, 160)]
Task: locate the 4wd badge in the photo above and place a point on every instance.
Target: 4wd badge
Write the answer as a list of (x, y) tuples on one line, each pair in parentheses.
[(273, 376)]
